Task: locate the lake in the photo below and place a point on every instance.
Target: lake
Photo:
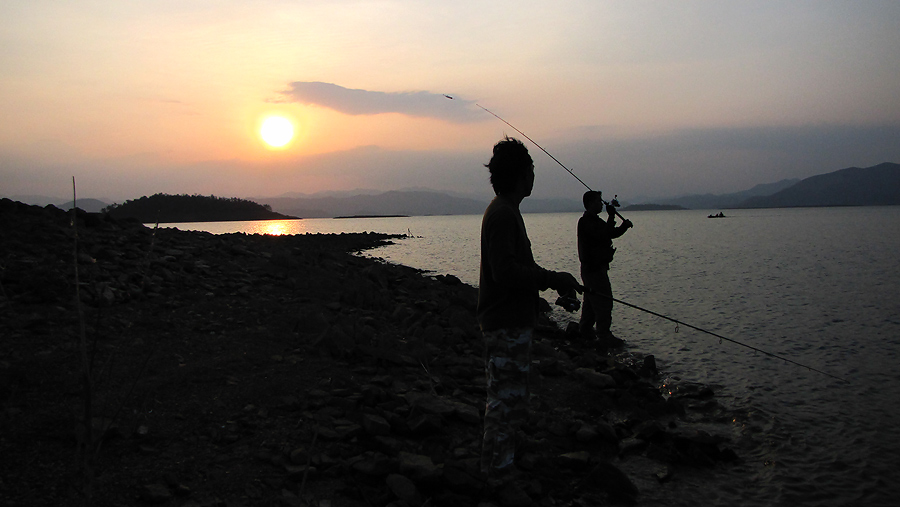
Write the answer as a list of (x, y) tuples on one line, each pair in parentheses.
[(818, 286)]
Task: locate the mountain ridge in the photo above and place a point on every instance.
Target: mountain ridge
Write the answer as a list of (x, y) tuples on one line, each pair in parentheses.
[(878, 185), (853, 186), (729, 200)]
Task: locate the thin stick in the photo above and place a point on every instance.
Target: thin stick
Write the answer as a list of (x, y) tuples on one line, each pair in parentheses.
[(87, 456)]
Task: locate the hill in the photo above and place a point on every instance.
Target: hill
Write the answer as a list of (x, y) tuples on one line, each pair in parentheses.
[(871, 186), (718, 201), (165, 208), (653, 207), (387, 203), (89, 205), (409, 203)]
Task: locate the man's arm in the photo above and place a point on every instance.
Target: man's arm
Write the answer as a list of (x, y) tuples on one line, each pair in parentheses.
[(615, 232), (508, 268)]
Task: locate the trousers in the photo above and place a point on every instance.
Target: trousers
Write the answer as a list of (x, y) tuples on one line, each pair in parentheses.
[(507, 365), (596, 308)]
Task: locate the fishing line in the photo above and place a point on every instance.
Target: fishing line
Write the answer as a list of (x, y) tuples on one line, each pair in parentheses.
[(677, 322), (495, 115), (536, 144), (720, 337)]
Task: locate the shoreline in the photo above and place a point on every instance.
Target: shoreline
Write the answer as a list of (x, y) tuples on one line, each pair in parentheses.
[(249, 369)]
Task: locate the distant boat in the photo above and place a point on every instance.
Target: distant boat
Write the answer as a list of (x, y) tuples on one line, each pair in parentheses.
[(717, 215)]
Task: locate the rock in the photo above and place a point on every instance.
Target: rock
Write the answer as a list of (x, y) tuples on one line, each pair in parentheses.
[(544, 348), (649, 368), (300, 456), (606, 431), (373, 463), (466, 413), (425, 424), (577, 459), (419, 468), (631, 446), (458, 479), (404, 489), (586, 433), (664, 475), (156, 493), (595, 379), (375, 425), (607, 477), (650, 431), (296, 473), (512, 495)]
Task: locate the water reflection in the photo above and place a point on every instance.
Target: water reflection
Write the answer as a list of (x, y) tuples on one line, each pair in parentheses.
[(279, 227)]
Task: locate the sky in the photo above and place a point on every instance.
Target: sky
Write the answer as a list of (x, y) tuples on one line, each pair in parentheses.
[(638, 98)]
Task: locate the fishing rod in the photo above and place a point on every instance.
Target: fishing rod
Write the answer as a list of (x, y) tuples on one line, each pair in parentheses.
[(720, 337), (614, 203)]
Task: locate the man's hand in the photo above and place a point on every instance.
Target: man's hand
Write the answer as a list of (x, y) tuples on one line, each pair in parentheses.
[(568, 301), (564, 283), (627, 223)]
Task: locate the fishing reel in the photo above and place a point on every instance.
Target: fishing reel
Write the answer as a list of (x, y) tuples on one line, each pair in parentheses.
[(569, 302), (615, 201)]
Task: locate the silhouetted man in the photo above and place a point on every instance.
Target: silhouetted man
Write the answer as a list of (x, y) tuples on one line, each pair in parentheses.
[(595, 251), (508, 295)]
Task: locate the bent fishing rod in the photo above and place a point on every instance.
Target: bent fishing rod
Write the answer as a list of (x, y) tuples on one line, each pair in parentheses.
[(614, 203), (720, 337)]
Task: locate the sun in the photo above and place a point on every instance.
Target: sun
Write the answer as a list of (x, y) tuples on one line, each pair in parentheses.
[(277, 131)]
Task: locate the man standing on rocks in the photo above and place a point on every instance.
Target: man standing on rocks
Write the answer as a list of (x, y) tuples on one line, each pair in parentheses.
[(508, 296), (595, 251)]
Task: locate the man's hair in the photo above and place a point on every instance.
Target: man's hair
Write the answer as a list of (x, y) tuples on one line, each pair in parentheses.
[(589, 197), (509, 162)]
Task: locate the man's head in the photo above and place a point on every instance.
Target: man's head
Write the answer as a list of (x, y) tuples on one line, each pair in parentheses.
[(509, 165), (592, 198)]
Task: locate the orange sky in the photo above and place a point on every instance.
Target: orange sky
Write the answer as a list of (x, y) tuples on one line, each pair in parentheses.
[(652, 97)]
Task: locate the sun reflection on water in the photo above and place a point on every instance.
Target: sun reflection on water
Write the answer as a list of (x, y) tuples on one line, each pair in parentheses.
[(278, 227)]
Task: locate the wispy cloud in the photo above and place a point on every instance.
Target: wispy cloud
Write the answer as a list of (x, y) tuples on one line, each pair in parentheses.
[(365, 102)]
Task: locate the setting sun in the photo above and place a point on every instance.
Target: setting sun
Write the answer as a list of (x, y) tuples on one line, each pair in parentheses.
[(276, 131)]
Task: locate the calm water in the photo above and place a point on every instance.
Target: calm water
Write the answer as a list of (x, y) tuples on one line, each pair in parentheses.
[(818, 285)]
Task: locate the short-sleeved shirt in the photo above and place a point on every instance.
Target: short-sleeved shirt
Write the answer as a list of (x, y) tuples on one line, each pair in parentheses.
[(509, 280)]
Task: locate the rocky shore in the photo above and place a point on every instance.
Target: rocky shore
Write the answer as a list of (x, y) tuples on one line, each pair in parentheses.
[(241, 370)]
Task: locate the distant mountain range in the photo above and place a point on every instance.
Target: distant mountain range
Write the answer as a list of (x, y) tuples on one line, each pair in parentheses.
[(89, 205), (871, 186), (388, 203), (714, 201), (411, 202)]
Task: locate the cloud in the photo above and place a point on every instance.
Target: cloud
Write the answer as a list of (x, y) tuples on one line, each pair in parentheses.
[(365, 102)]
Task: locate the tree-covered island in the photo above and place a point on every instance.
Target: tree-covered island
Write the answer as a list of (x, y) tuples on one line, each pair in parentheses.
[(165, 208)]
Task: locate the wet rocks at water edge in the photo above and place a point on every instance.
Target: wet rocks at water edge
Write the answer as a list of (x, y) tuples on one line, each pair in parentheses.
[(264, 370)]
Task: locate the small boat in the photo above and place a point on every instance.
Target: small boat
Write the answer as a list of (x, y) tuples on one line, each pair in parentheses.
[(717, 215)]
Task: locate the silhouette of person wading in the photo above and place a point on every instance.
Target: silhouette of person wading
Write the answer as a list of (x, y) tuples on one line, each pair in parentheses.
[(595, 251), (508, 295)]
